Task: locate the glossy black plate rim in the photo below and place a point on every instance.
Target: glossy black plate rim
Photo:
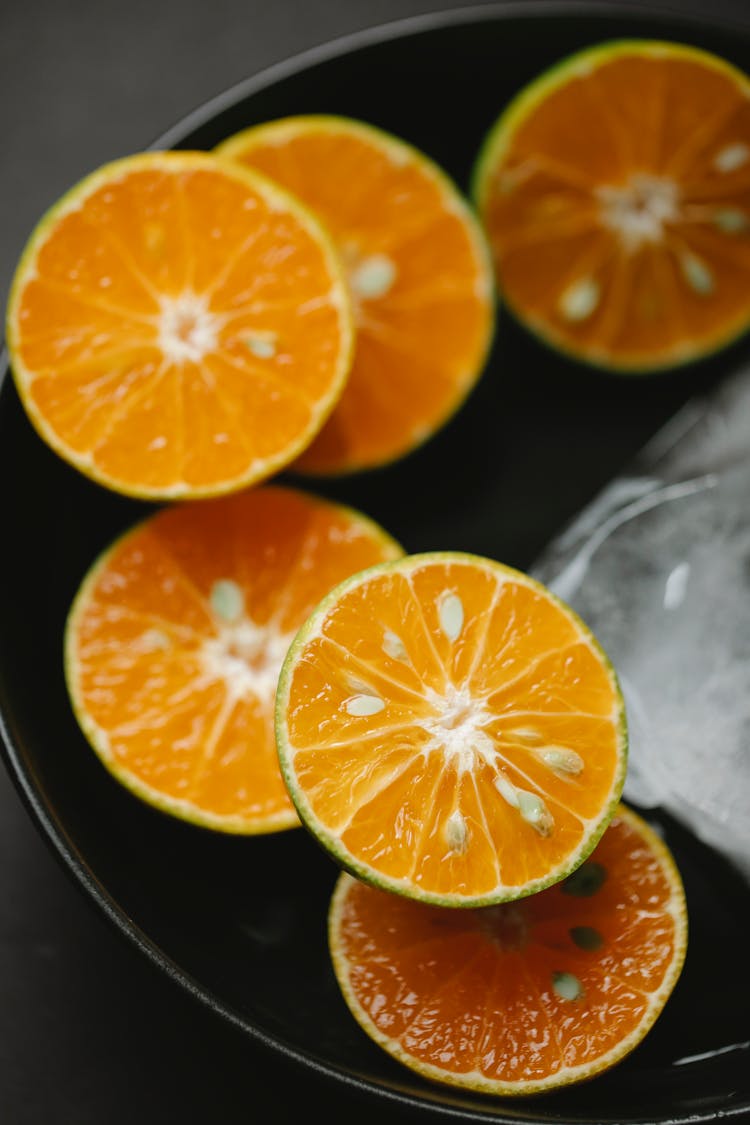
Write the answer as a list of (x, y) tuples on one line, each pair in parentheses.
[(22, 774)]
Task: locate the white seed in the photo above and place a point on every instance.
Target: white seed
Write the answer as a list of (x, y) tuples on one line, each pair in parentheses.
[(456, 832), (675, 587), (732, 157), (393, 646), (567, 986), (562, 760), (731, 220), (264, 347), (227, 600), (697, 274), (507, 790), (451, 614), (362, 705), (373, 277), (579, 300), (535, 812)]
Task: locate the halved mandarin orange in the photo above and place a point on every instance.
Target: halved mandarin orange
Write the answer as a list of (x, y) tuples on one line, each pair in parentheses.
[(176, 636), (450, 731), (525, 997), (419, 271), (178, 326), (615, 192)]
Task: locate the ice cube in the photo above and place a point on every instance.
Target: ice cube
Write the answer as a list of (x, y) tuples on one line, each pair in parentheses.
[(659, 567)]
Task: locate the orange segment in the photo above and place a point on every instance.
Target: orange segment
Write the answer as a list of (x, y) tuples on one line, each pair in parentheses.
[(450, 731), (615, 192), (175, 640), (179, 326), (418, 269), (524, 997)]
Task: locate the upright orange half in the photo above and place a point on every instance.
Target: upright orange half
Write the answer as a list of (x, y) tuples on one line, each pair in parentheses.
[(175, 640), (615, 191), (450, 731), (419, 272), (525, 997), (178, 326)]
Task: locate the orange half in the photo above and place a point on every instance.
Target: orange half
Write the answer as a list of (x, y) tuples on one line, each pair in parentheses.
[(175, 640), (450, 731), (526, 997), (615, 192), (178, 326), (419, 272)]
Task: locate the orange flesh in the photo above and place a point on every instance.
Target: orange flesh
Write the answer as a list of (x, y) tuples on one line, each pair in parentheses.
[(475, 995), (420, 343), (135, 328), (177, 688), (410, 793), (648, 140)]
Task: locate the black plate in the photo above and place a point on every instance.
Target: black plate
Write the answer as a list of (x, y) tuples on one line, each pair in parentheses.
[(241, 923)]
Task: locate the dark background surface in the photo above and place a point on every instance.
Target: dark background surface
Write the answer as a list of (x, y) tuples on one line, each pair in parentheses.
[(90, 1032)]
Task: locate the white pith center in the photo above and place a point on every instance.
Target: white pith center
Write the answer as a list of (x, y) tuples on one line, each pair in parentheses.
[(457, 728), (371, 276), (247, 658), (639, 210), (187, 329)]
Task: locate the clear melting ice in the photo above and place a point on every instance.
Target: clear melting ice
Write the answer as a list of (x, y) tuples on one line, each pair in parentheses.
[(658, 565)]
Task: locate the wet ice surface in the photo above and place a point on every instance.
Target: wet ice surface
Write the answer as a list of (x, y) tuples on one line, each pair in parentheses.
[(659, 567)]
